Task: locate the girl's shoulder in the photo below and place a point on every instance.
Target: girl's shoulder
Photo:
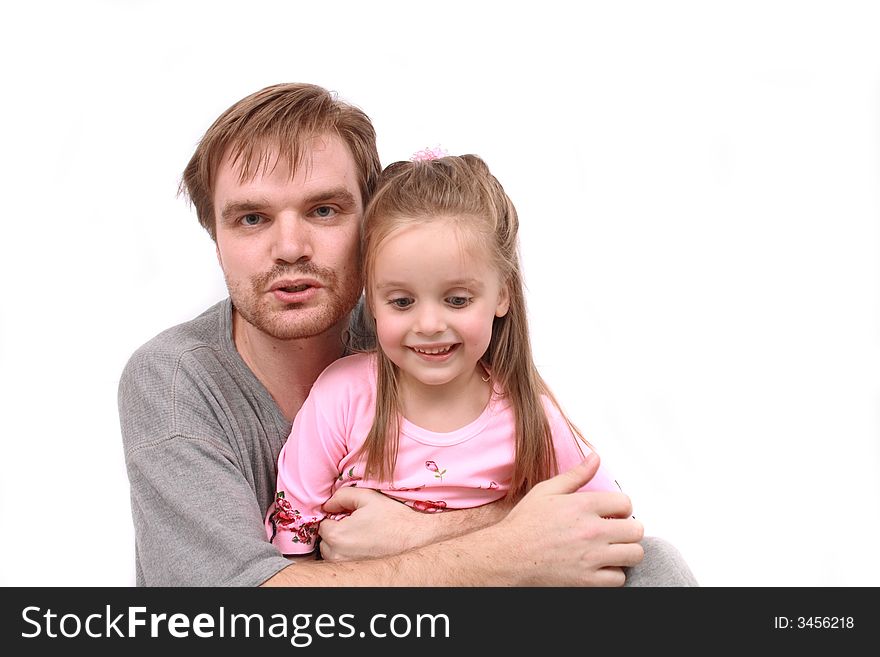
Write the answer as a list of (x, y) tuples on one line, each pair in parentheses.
[(552, 411), (556, 416), (354, 370)]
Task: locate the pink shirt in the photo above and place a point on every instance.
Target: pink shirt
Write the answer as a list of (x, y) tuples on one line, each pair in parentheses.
[(468, 467)]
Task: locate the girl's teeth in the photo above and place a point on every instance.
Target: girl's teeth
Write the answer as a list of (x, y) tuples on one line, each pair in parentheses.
[(434, 352)]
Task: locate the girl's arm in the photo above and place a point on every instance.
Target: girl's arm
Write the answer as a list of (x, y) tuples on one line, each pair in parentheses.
[(307, 470)]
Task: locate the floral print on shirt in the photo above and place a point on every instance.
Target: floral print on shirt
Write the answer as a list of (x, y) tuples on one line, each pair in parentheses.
[(286, 518)]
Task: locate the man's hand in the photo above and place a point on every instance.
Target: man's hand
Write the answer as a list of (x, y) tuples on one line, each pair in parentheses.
[(379, 526), (566, 538)]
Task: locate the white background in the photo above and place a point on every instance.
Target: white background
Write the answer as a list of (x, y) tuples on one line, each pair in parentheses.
[(698, 188)]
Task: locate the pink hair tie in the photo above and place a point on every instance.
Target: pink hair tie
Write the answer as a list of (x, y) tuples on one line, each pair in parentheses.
[(427, 154)]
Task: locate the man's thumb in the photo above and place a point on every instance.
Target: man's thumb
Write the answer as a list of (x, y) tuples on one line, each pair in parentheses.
[(572, 479), (345, 500)]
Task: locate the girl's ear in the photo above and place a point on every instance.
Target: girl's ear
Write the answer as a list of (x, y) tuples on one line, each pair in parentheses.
[(503, 301)]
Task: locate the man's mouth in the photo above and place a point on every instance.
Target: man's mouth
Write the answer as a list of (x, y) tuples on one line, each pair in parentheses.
[(293, 291), (294, 286)]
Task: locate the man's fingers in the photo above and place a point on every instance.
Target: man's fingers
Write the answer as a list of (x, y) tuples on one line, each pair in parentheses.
[(608, 504), (626, 531), (347, 499), (572, 479), (626, 554), (609, 576), (612, 505)]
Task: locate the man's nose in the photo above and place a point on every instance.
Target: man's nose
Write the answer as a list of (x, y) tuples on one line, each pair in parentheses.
[(292, 239)]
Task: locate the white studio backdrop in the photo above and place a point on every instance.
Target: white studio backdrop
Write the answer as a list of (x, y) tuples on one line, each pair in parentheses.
[(698, 189)]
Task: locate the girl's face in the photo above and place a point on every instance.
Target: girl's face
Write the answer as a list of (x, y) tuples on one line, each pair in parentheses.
[(434, 299)]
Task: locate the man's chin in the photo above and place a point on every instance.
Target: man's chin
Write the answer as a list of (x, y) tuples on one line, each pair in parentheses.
[(296, 323)]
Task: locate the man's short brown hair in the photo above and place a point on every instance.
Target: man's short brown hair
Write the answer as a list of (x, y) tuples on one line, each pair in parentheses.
[(277, 121)]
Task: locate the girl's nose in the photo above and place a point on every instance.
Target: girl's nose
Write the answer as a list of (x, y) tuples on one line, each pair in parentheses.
[(430, 320)]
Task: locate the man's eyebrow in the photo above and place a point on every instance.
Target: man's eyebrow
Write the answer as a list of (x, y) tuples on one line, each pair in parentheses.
[(339, 194), (240, 207)]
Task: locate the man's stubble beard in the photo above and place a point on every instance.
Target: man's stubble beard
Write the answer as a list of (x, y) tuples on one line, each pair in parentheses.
[(295, 321)]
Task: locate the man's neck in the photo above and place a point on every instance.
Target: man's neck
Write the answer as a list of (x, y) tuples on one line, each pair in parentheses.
[(287, 368)]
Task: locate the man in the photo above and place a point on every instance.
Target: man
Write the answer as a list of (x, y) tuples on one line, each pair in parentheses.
[(280, 181)]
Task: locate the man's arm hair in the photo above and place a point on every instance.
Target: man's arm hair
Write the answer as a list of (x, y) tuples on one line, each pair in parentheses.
[(380, 526)]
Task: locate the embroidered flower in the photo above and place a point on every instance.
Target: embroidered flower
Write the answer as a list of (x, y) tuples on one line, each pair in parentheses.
[(305, 533), (427, 506), (285, 515), (433, 467), (286, 518)]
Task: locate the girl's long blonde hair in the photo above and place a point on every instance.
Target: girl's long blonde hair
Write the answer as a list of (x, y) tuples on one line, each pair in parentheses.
[(462, 190)]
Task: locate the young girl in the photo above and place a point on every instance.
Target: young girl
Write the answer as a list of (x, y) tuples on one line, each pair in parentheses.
[(449, 412)]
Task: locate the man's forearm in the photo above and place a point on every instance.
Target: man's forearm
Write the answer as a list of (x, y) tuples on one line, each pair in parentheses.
[(462, 561), (379, 526), (451, 524)]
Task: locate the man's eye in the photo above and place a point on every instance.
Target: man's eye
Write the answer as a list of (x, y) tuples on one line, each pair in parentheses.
[(251, 219), (401, 302), (458, 302), (325, 212)]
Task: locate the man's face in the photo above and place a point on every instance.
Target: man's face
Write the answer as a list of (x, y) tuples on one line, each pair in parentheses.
[(289, 246)]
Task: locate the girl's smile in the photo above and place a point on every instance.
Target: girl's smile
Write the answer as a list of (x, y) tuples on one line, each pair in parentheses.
[(435, 353)]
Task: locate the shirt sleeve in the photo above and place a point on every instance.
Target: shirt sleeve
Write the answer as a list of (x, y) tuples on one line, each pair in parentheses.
[(308, 467), (570, 450), (196, 517)]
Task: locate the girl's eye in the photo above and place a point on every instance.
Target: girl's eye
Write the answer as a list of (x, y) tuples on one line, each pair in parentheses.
[(251, 219), (402, 303), (458, 302), (325, 212)]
